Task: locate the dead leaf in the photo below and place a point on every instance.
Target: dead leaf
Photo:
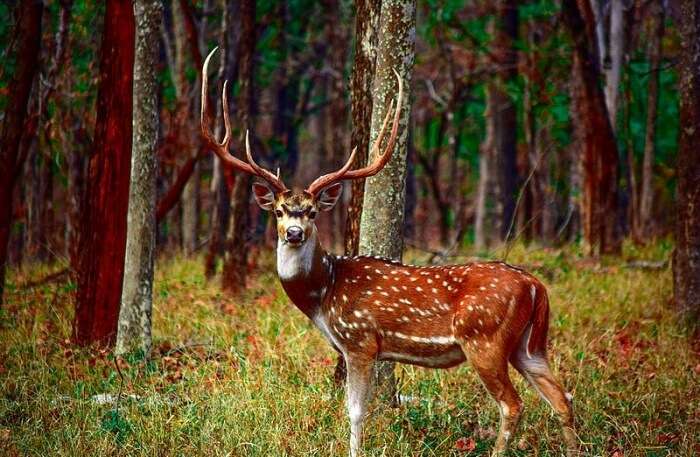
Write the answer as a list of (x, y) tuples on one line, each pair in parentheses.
[(465, 444)]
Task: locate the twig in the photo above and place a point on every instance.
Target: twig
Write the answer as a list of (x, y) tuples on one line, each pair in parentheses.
[(121, 384), (46, 279)]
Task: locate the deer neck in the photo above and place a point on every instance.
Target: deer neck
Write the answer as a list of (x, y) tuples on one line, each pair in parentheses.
[(306, 273)]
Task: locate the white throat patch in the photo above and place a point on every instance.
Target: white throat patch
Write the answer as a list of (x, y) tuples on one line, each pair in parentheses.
[(293, 262)]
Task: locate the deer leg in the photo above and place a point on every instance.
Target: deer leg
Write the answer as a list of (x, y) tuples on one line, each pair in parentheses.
[(535, 370), (493, 372), (359, 378)]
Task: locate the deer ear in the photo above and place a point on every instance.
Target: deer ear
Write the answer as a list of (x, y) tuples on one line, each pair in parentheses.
[(264, 196), (329, 196)]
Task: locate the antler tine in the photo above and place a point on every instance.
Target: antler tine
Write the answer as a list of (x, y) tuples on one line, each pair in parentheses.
[(268, 176), (219, 148), (379, 162)]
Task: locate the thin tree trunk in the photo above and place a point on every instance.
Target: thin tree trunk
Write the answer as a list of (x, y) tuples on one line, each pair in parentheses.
[(184, 47), (499, 150), (686, 258), (381, 226), (599, 156), (28, 31), (617, 54), (103, 228), (647, 193), (367, 14), (228, 64), (236, 258), (134, 329)]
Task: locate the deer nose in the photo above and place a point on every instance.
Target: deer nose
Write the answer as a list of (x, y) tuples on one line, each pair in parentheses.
[(295, 234)]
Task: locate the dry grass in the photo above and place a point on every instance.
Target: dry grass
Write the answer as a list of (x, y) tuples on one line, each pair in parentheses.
[(253, 377)]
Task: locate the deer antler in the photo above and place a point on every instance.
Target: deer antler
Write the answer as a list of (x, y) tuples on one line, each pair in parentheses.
[(379, 162), (221, 148)]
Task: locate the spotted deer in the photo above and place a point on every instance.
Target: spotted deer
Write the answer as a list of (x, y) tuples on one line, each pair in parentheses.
[(372, 309)]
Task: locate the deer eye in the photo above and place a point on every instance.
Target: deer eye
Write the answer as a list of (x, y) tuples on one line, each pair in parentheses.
[(312, 214), (278, 213)]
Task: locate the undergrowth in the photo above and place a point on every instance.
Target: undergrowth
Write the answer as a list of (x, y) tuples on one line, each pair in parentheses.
[(253, 377)]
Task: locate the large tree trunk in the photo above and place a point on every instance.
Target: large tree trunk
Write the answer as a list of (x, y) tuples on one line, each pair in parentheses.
[(235, 271), (647, 192), (686, 258), (367, 13), (599, 150), (28, 32), (134, 330), (499, 151), (381, 226), (103, 228)]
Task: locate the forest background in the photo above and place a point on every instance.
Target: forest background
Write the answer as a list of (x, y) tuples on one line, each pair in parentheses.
[(558, 136)]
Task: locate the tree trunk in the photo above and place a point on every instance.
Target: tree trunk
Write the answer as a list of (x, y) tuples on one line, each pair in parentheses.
[(134, 330), (686, 258), (647, 192), (499, 151), (617, 55), (28, 32), (103, 228), (228, 64), (381, 225), (599, 157), (235, 271), (190, 194), (367, 13)]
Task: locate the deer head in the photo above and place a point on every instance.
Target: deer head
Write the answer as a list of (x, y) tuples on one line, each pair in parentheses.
[(295, 210)]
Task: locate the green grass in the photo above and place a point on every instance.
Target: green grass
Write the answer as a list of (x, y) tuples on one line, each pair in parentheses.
[(252, 377)]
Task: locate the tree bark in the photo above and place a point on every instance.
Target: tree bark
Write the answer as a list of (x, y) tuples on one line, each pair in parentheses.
[(28, 31), (367, 13), (381, 225), (103, 228), (134, 329), (647, 191), (185, 46), (228, 64), (499, 151), (599, 150), (235, 271), (617, 55), (686, 258)]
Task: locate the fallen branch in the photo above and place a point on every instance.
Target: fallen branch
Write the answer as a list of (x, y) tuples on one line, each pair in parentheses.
[(46, 279)]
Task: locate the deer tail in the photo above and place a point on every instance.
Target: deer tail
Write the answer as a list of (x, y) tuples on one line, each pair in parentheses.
[(537, 343)]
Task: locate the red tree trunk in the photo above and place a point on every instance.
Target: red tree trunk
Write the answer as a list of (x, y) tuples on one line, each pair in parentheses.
[(103, 228), (686, 258), (599, 150), (28, 30)]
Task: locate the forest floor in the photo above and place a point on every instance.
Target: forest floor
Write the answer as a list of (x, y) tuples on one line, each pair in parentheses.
[(252, 377)]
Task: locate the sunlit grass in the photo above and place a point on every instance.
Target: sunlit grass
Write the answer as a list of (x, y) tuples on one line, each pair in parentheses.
[(252, 377)]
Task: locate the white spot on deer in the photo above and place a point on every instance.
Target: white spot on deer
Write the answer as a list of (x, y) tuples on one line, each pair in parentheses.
[(369, 277), (430, 281), (481, 322), (368, 292), (419, 289), (482, 288), (394, 288), (414, 279), (357, 313), (434, 290), (367, 267), (345, 298), (470, 308)]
